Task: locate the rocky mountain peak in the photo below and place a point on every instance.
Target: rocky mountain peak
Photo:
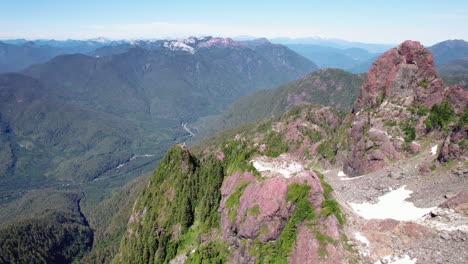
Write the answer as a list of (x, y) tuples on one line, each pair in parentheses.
[(391, 111), (403, 72)]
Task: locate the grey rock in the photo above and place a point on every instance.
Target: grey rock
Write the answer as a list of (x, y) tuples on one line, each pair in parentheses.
[(449, 195), (445, 236)]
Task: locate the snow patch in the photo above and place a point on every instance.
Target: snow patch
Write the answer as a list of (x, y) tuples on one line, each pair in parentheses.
[(397, 260), (434, 150), (343, 177), (178, 46), (281, 166), (350, 178), (391, 205), (361, 238)]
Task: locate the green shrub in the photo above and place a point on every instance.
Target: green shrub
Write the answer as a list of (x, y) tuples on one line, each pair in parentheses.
[(212, 252), (312, 134), (408, 130), (423, 83), (463, 121), (439, 116), (389, 123), (330, 206), (232, 202), (254, 210), (275, 144), (323, 241), (326, 151), (462, 144)]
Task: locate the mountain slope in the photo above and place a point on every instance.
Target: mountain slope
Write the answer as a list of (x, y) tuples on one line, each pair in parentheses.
[(47, 227), (455, 67), (18, 55), (449, 50), (270, 202), (49, 142), (81, 123), (331, 87), (171, 79), (216, 206), (328, 57)]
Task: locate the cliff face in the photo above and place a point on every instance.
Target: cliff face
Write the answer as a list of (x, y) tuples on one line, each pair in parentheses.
[(248, 198), (268, 225), (393, 105)]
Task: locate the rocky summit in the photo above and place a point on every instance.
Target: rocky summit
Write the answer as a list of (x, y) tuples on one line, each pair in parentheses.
[(401, 85)]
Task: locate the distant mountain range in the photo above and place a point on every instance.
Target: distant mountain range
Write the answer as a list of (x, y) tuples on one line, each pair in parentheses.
[(351, 56), (355, 60), (15, 55), (334, 43), (77, 118)]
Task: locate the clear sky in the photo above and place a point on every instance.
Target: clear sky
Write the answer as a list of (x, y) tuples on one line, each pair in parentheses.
[(374, 21)]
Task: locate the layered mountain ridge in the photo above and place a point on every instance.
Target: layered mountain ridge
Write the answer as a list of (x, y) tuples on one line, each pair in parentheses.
[(266, 196)]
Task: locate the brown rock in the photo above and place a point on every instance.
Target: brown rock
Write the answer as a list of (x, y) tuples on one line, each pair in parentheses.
[(414, 147), (424, 169), (459, 202)]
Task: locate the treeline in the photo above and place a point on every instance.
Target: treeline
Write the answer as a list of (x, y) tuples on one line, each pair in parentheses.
[(180, 203), (55, 238)]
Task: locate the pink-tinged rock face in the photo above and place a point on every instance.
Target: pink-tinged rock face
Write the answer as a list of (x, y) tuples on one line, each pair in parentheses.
[(397, 74), (400, 79), (457, 97), (263, 211), (306, 248), (228, 187), (459, 202), (263, 206)]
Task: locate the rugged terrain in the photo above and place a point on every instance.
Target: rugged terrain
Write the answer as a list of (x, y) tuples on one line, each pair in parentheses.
[(90, 124), (328, 87), (377, 176), (385, 183)]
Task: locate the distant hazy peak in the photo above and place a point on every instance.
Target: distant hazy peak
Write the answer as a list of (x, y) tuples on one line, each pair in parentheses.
[(192, 44)]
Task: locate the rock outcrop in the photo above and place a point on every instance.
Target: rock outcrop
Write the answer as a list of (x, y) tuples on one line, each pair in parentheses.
[(400, 88), (262, 212)]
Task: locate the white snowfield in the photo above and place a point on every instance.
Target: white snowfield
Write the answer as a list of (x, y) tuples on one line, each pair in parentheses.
[(178, 45), (391, 205), (280, 165), (396, 260), (434, 150), (343, 177)]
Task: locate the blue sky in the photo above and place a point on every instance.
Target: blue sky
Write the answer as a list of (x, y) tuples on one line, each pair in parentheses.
[(366, 21)]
